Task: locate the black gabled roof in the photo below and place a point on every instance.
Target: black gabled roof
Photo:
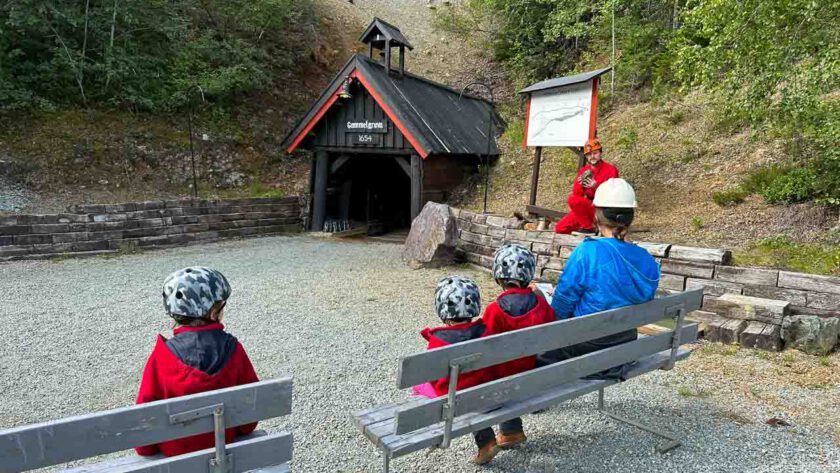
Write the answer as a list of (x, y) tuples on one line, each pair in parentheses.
[(429, 112), (388, 30), (563, 81)]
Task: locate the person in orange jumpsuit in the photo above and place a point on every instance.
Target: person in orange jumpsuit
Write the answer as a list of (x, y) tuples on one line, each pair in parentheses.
[(581, 218)]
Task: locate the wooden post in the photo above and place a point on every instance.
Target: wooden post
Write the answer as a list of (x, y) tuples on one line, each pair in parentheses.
[(416, 184), (388, 56), (402, 59), (319, 209), (535, 175)]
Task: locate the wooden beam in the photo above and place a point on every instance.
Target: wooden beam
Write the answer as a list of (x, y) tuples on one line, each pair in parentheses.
[(319, 209), (416, 185), (535, 175), (425, 412), (434, 364), (338, 163), (544, 212), (404, 164), (580, 155)]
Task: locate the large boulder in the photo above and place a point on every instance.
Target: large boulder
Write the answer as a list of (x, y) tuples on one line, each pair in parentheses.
[(811, 334), (432, 239)]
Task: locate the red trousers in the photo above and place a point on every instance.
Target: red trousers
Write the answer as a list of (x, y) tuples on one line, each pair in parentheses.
[(582, 215)]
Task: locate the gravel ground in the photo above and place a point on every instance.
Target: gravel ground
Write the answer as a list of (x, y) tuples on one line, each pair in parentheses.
[(13, 197), (77, 333)]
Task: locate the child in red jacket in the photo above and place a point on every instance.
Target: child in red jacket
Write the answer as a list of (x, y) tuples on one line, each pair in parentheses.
[(516, 308), (200, 356), (458, 302)]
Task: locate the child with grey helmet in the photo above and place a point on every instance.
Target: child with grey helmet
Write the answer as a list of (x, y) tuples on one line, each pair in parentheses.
[(458, 304), (200, 356), (518, 307)]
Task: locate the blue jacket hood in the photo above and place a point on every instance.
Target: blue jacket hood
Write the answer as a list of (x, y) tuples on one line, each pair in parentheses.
[(603, 274)]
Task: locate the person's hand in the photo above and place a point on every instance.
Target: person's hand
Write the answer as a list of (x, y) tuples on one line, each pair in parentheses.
[(589, 183)]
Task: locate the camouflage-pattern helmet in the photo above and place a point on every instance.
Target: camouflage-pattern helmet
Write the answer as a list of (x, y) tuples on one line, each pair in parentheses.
[(457, 298), (515, 262), (192, 292)]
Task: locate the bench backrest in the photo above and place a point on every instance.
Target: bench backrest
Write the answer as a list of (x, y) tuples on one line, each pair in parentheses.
[(59, 441), (435, 364)]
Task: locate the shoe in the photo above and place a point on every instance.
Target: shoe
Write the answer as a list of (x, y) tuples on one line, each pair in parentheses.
[(486, 453), (510, 440)]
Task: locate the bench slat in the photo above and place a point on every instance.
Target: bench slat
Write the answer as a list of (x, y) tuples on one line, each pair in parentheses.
[(265, 451), (399, 445), (59, 441), (425, 412), (434, 364)]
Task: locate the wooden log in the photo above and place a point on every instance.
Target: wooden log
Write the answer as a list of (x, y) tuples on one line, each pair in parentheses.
[(761, 336), (695, 270), (821, 300), (672, 282), (319, 208), (713, 287), (700, 255), (809, 282), (655, 249), (544, 212), (735, 306), (753, 276), (725, 330), (793, 296)]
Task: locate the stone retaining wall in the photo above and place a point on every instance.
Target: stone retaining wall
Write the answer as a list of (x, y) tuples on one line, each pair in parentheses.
[(98, 229), (739, 302)]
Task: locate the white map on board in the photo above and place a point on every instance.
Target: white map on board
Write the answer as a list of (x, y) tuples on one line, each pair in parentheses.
[(560, 117)]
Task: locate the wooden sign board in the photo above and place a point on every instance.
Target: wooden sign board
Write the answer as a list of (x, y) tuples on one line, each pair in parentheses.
[(365, 139), (562, 116), (365, 126)]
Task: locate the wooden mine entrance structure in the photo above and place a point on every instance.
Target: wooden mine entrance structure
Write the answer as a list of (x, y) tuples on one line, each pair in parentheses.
[(385, 141)]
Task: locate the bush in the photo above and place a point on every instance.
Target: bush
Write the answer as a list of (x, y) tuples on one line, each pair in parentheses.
[(730, 197), (795, 185)]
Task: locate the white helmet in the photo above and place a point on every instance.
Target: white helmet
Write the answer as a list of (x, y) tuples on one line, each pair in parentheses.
[(615, 193)]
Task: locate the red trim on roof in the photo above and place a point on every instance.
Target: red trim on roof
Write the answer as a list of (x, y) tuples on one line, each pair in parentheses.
[(414, 143), (593, 113), (323, 110), (312, 123), (527, 116)]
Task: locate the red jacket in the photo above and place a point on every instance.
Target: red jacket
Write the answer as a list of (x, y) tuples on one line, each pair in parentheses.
[(195, 360), (447, 335), (516, 309), (600, 173)]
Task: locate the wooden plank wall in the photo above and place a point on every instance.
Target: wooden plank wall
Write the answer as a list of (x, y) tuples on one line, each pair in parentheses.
[(329, 132)]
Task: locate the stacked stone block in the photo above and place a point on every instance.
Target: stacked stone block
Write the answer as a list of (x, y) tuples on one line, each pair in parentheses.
[(749, 304), (98, 229)]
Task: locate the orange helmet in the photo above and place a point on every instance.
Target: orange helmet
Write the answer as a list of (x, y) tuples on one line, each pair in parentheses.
[(592, 145)]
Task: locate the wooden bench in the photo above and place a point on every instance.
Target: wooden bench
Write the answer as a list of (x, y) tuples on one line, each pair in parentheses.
[(74, 438), (402, 428)]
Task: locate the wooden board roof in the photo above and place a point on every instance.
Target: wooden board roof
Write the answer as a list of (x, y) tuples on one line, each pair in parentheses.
[(428, 114), (563, 81)]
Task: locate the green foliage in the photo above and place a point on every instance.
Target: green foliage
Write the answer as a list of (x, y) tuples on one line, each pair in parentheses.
[(728, 197), (778, 185), (782, 252), (143, 55), (795, 185), (696, 223), (627, 138)]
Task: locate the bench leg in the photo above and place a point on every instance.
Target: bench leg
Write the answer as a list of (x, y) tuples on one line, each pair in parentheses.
[(672, 443), (386, 462)]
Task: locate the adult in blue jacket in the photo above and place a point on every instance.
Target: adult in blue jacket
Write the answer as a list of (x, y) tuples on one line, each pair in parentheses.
[(605, 273)]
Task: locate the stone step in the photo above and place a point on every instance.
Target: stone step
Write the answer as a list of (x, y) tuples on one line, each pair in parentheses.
[(736, 306), (762, 336), (70, 254), (725, 330)]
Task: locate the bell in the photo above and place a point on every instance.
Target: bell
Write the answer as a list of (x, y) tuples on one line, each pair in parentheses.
[(345, 89)]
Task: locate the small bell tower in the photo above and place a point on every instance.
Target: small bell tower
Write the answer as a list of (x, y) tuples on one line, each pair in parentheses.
[(383, 37)]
